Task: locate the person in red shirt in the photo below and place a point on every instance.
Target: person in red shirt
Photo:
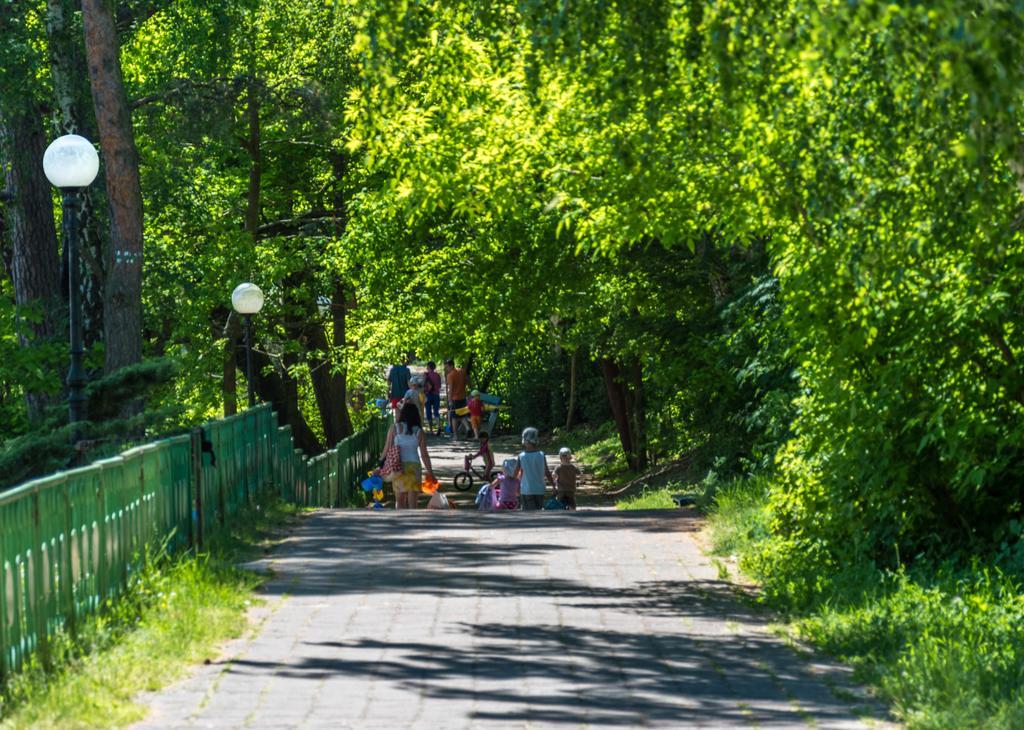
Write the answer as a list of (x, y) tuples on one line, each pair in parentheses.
[(476, 412)]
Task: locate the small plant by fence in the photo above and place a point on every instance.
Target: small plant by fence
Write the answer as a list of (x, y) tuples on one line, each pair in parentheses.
[(69, 541)]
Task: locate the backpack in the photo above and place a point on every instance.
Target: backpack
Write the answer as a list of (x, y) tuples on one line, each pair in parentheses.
[(485, 499), (554, 503)]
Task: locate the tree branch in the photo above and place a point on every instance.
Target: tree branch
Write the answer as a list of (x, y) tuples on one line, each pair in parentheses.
[(132, 12), (292, 226)]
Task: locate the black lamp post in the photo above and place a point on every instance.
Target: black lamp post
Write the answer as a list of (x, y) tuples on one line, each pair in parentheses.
[(71, 164), (247, 299)]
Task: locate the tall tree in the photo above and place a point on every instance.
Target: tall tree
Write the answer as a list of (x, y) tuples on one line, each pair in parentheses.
[(123, 301), (34, 256)]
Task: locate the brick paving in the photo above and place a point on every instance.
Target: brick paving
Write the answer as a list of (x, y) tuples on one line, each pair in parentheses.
[(596, 618)]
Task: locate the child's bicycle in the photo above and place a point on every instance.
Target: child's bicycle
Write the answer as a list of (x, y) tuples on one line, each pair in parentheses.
[(466, 480)]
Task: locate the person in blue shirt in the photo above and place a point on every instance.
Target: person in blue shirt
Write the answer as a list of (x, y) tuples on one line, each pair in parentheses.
[(533, 472), (398, 382)]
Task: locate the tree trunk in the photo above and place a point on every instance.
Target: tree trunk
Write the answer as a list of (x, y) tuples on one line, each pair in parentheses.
[(123, 302), (572, 388), (232, 331), (332, 395), (277, 387), (252, 146), (35, 257), (620, 410), (330, 400), (639, 415), (339, 322), (74, 116)]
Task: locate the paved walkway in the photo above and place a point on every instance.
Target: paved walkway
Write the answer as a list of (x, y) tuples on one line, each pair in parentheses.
[(462, 620)]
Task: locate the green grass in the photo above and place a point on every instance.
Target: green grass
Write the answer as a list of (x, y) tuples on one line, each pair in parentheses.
[(597, 450), (942, 643), (650, 499), (739, 515), (175, 614)]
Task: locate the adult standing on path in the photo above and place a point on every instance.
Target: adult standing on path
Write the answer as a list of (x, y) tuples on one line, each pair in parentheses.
[(455, 378), (407, 434), (432, 391), (398, 381)]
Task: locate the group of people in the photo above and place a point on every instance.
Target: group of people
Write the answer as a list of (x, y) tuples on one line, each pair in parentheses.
[(522, 482), (425, 392)]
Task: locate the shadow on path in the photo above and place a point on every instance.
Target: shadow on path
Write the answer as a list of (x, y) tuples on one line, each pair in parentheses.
[(464, 620)]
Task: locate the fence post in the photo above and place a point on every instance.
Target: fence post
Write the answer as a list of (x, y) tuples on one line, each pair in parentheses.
[(68, 581), (42, 640), (101, 558), (195, 533), (4, 645)]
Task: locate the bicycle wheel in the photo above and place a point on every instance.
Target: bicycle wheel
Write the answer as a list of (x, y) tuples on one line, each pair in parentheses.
[(463, 481), (494, 475)]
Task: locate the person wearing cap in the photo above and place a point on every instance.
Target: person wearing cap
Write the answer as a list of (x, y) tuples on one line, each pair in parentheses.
[(567, 477), (533, 471), (507, 486), (476, 412)]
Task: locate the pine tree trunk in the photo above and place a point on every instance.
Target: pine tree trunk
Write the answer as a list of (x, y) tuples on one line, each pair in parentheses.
[(123, 296), (35, 257)]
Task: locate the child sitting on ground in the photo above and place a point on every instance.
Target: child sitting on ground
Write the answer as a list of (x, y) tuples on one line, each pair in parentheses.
[(507, 486), (484, 452), (567, 476)]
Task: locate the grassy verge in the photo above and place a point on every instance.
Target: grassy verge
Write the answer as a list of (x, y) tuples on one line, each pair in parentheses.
[(597, 450), (175, 613), (941, 642), (650, 499)]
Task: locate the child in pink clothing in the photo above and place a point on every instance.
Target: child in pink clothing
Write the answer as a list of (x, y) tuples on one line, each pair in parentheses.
[(507, 486)]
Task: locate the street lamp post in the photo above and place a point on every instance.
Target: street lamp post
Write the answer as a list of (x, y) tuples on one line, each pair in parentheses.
[(71, 164), (247, 299)]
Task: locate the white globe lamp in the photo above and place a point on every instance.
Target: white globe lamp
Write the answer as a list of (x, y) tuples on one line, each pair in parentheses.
[(71, 162), (247, 299)]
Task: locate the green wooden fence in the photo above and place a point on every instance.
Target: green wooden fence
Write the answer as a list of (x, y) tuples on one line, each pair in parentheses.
[(70, 541)]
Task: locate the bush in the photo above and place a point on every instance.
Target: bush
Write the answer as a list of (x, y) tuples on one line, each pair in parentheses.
[(941, 640), (943, 643)]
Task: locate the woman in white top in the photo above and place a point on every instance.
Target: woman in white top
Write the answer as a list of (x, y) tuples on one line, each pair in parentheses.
[(407, 433)]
